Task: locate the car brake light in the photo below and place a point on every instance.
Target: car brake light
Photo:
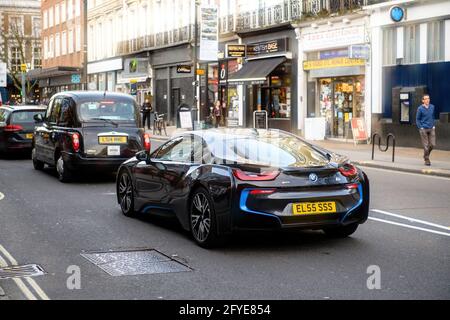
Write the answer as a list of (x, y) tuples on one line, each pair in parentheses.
[(352, 186), (147, 143), (76, 142), (250, 176), (348, 170), (258, 192), (13, 128)]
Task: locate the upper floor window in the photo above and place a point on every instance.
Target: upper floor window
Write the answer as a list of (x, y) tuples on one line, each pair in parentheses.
[(69, 9), (57, 14), (77, 8), (45, 17), (37, 62), (15, 59), (436, 41), (16, 25), (63, 10), (36, 22), (411, 44), (50, 17), (389, 46)]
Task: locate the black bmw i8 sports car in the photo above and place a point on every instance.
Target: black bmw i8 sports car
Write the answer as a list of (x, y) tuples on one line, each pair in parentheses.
[(220, 181)]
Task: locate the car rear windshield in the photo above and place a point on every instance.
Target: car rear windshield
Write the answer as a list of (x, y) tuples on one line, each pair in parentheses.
[(281, 151), (24, 116), (108, 110)]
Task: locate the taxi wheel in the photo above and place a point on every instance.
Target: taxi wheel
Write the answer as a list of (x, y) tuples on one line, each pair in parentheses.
[(341, 232), (64, 174), (38, 165)]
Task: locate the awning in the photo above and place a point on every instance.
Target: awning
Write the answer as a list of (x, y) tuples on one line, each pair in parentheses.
[(39, 74), (256, 70)]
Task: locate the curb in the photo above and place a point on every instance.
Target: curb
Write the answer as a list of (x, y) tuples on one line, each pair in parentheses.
[(2, 294), (428, 172)]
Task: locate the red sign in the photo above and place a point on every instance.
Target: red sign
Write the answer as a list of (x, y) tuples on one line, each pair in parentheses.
[(359, 129)]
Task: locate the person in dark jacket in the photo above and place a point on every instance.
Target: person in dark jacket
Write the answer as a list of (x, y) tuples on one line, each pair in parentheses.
[(425, 123), (146, 110)]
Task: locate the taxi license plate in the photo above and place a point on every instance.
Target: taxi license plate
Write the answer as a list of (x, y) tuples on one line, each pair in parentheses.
[(112, 140), (29, 136), (306, 208)]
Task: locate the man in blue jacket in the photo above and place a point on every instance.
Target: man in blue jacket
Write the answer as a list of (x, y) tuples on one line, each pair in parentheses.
[(425, 123)]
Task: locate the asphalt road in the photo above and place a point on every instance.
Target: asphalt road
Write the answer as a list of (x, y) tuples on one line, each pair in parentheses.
[(51, 224)]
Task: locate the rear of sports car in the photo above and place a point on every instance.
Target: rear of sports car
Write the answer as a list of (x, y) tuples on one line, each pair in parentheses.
[(314, 198), (281, 181)]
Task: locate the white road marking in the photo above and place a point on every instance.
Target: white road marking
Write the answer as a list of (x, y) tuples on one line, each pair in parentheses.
[(411, 219), (20, 283), (405, 173), (410, 227), (2, 196)]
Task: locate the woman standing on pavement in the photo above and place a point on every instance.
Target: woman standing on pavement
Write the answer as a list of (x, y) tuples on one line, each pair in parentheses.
[(217, 112)]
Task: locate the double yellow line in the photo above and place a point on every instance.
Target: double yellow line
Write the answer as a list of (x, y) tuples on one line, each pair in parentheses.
[(38, 293)]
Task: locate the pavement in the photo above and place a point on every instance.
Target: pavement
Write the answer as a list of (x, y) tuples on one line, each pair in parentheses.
[(406, 159), (52, 224)]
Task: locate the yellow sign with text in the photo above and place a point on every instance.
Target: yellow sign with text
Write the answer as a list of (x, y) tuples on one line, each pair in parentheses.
[(332, 63)]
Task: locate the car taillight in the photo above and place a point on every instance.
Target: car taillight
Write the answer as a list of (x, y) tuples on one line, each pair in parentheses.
[(352, 186), (76, 142), (13, 128), (147, 143), (250, 176), (258, 192), (348, 170)]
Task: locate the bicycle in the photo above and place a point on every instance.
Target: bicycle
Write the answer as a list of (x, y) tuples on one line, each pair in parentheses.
[(159, 124)]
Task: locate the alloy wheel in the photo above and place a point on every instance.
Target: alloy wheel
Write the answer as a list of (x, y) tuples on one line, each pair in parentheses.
[(126, 194), (201, 217)]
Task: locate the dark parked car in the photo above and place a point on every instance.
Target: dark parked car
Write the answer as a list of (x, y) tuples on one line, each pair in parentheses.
[(219, 181), (17, 127), (88, 131)]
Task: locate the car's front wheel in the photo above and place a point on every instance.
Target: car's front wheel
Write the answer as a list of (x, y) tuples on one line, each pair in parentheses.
[(38, 165), (203, 219), (341, 232), (126, 195)]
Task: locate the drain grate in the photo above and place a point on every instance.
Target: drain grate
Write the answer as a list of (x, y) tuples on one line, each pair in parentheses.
[(29, 270), (135, 262)]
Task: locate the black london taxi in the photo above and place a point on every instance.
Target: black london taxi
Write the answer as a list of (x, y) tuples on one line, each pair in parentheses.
[(17, 127), (87, 130)]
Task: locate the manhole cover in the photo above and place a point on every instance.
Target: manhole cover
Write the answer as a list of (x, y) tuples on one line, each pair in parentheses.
[(29, 270), (135, 262)]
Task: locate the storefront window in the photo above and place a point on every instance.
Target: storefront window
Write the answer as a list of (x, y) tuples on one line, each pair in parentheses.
[(275, 95), (102, 82)]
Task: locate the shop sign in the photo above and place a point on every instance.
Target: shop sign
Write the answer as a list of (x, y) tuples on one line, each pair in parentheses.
[(236, 51), (397, 13), (267, 47), (330, 54), (209, 33), (332, 63), (184, 69), (359, 129), (341, 37), (3, 73), (136, 67), (201, 72), (75, 78), (359, 52)]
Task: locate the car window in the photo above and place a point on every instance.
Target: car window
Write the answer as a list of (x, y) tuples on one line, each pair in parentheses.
[(56, 111), (24, 116), (108, 110), (49, 110), (66, 117), (186, 149)]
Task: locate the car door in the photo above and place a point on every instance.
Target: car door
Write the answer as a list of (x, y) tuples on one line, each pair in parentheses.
[(4, 114), (55, 132), (161, 180), (42, 136)]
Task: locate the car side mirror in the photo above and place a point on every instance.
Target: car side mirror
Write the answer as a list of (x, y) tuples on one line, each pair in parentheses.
[(38, 118), (142, 156)]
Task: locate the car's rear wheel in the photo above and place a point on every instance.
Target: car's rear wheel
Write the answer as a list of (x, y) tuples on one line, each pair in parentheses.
[(203, 219), (64, 174), (126, 195), (341, 232), (38, 165)]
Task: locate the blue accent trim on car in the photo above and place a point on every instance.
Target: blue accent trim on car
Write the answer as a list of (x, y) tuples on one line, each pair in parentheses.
[(349, 212), (243, 205), (147, 208)]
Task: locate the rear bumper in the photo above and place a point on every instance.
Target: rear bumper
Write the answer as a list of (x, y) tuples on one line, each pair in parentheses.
[(14, 144), (247, 218), (76, 161)]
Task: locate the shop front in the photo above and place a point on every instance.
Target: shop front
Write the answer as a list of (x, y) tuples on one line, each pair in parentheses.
[(334, 86), (265, 83), (102, 75)]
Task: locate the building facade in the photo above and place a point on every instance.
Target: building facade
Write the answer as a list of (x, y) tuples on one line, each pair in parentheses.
[(20, 44), (63, 55), (410, 57)]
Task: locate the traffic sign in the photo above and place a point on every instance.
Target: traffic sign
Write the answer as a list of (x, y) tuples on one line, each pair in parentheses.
[(23, 67)]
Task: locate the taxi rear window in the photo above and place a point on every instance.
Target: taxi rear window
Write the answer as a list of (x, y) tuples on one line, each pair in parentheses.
[(108, 110)]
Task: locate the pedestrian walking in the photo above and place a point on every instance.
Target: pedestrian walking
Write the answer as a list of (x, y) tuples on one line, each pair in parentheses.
[(146, 110), (425, 123), (217, 112)]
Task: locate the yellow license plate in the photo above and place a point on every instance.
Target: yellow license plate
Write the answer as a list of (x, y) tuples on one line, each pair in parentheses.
[(29, 136), (306, 208), (112, 140)]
